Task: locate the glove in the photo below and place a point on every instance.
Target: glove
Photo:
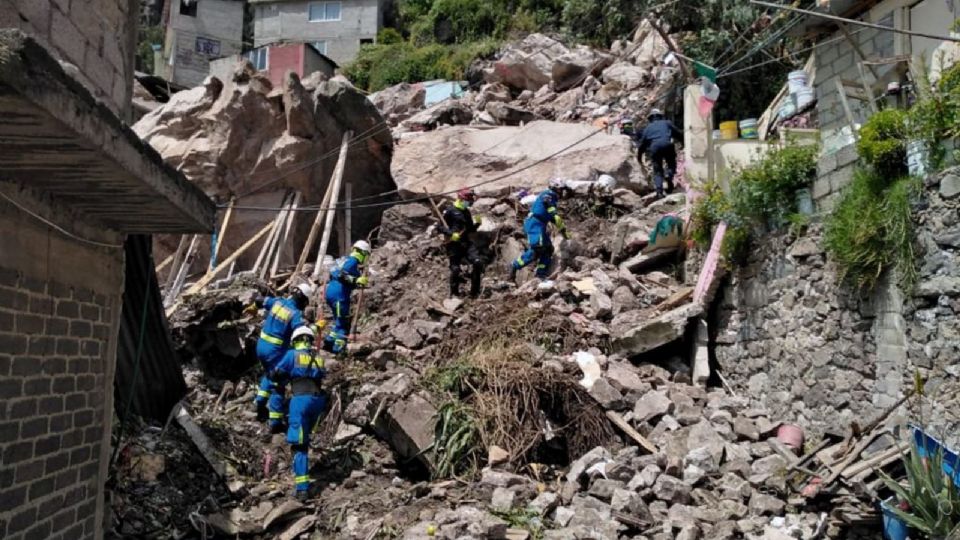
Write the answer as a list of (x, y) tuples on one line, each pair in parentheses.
[(565, 233), (363, 281), (455, 237), (477, 220), (558, 221), (251, 309)]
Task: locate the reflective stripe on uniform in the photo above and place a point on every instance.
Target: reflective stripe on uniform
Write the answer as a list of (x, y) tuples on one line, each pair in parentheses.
[(305, 479), (263, 393), (300, 435), (275, 415), (281, 312), (520, 260), (270, 339)]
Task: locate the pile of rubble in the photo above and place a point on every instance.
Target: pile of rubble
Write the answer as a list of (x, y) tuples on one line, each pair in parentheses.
[(540, 78)]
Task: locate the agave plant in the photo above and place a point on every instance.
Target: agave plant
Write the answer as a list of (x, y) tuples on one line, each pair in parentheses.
[(933, 499)]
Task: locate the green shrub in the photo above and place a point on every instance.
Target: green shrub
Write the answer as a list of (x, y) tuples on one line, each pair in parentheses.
[(869, 232), (761, 194), (936, 115), (882, 143), (389, 36), (385, 64)]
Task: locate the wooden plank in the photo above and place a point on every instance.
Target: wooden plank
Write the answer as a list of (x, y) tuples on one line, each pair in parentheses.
[(223, 469), (178, 282), (318, 219), (882, 459), (803, 461), (856, 47), (334, 197), (177, 260), (632, 433), (266, 245), (435, 208), (871, 98), (275, 238), (288, 222), (645, 261), (223, 231), (846, 108), (205, 280)]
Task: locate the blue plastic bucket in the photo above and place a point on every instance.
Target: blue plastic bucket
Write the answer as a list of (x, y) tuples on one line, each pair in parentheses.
[(894, 528)]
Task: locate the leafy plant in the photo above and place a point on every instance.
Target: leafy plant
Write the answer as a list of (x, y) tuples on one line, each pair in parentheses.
[(456, 441), (523, 518), (882, 143), (932, 498), (936, 115), (455, 378), (870, 231)]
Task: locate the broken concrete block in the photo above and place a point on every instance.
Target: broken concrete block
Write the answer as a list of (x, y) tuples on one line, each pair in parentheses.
[(407, 426), (652, 405), (623, 376), (746, 429), (637, 334), (496, 455), (503, 479), (591, 458), (407, 335), (762, 504), (645, 478), (544, 503), (601, 304), (607, 396), (671, 490), (603, 489)]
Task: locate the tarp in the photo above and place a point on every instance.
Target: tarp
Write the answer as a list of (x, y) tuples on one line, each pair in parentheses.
[(441, 90)]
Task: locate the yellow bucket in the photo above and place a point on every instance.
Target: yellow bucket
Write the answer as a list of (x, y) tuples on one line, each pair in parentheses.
[(728, 130)]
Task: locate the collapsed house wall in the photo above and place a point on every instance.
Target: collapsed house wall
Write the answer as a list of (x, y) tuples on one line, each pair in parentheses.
[(790, 334), (59, 319)]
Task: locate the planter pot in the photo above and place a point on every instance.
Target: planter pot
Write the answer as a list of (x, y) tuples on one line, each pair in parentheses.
[(804, 199), (894, 528)]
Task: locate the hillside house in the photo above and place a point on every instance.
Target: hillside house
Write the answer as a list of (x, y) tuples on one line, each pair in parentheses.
[(199, 31), (883, 58), (275, 60), (336, 28), (76, 185)]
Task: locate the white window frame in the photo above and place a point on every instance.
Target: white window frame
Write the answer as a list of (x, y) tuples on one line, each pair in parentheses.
[(323, 6), (321, 50), (265, 52)]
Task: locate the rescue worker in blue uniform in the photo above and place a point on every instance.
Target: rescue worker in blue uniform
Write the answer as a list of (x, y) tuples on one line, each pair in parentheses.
[(303, 369), (284, 316), (461, 245), (537, 228), (346, 275), (658, 138)]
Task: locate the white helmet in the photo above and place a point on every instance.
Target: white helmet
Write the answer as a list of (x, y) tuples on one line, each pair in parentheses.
[(362, 245), (306, 288), (557, 183), (303, 331), (654, 112)]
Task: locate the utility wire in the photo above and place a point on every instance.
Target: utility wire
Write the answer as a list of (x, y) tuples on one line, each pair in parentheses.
[(58, 228), (800, 51)]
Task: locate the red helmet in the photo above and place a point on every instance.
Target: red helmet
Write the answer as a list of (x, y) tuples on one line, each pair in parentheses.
[(467, 194)]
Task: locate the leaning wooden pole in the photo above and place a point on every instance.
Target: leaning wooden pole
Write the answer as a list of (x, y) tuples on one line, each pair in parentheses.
[(334, 198), (182, 272), (223, 231), (205, 280), (291, 214), (266, 245), (312, 237), (177, 259), (275, 237)]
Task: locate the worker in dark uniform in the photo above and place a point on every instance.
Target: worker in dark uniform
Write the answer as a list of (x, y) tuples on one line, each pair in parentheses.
[(461, 243), (658, 139)]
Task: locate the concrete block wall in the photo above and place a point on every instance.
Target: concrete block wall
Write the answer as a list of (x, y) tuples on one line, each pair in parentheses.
[(59, 320), (834, 172), (220, 21), (96, 36), (289, 21)]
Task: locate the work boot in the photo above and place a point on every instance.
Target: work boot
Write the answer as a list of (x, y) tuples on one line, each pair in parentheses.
[(660, 194), (278, 428), (670, 186), (302, 495), (262, 413)]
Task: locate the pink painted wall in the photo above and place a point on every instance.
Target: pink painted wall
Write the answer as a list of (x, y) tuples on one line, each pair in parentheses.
[(283, 58)]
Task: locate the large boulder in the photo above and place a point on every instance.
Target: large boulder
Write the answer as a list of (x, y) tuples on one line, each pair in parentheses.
[(509, 115), (572, 68), (628, 76), (398, 102), (527, 65), (242, 138), (443, 161)]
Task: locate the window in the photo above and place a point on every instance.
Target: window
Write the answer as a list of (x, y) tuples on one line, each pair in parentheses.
[(189, 7), (320, 46), (366, 41), (259, 58), (324, 11)]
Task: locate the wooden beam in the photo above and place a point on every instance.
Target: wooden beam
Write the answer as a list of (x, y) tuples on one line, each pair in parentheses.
[(262, 256), (632, 433), (334, 197), (288, 221), (275, 237), (321, 214), (177, 260), (223, 231), (174, 290), (846, 108), (856, 47), (205, 280)]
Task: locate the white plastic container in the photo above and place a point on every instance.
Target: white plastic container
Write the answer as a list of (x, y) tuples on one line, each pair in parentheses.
[(796, 81), (805, 97)]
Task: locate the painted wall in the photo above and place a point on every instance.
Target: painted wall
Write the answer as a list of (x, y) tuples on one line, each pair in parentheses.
[(289, 21)]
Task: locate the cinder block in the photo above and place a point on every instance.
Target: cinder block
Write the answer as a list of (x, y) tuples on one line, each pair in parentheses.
[(99, 71), (841, 178), (67, 38), (821, 187), (844, 63), (847, 155), (826, 164)]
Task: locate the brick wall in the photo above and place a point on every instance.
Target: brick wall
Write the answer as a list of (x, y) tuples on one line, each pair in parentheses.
[(59, 315), (97, 36)]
